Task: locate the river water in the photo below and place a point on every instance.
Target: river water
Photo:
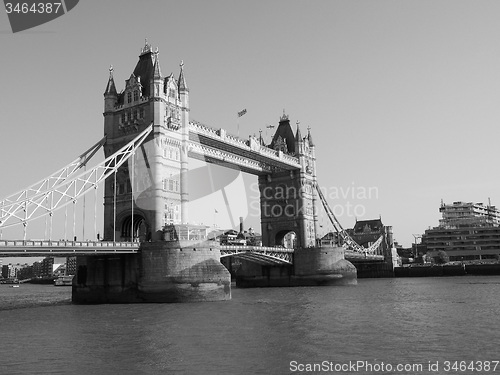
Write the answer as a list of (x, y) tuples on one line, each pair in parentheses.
[(417, 323)]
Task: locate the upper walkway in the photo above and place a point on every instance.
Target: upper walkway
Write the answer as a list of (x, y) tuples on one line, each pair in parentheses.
[(219, 147)]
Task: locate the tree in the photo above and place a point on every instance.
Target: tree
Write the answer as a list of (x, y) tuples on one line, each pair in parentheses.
[(441, 257)]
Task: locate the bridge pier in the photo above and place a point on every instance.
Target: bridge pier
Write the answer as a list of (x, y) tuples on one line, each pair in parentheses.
[(105, 278), (183, 271), (311, 267), (162, 271)]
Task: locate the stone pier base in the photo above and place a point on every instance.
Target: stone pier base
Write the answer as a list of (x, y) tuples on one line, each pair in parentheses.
[(323, 266), (311, 267), (183, 271), (174, 271)]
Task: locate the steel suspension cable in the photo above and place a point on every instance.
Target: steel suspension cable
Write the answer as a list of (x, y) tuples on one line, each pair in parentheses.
[(132, 196), (74, 217), (114, 210), (84, 207), (347, 240), (51, 214), (95, 208), (25, 223), (66, 223), (46, 223)]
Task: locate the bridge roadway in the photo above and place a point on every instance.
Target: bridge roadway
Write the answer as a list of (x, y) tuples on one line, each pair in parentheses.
[(64, 248), (260, 254)]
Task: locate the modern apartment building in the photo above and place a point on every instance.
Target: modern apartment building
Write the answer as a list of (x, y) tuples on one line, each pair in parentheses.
[(460, 214), (467, 231)]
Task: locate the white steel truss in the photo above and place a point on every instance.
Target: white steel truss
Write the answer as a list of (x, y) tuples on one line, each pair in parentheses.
[(56, 192), (13, 200), (259, 254), (347, 242)]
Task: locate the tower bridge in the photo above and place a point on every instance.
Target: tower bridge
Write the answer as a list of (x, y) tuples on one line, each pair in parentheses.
[(63, 248), (149, 251)]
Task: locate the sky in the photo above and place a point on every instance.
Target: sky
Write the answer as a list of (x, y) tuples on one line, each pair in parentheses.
[(401, 96)]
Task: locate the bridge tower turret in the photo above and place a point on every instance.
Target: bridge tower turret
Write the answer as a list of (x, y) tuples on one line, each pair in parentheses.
[(184, 118), (307, 192), (148, 192), (110, 101), (312, 161), (160, 176), (288, 197)]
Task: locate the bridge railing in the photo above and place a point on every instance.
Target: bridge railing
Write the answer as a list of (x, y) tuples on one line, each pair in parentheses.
[(260, 254), (256, 248), (288, 158), (66, 243), (202, 128), (235, 140), (198, 127)]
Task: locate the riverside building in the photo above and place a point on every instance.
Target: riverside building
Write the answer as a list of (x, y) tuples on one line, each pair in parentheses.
[(467, 231)]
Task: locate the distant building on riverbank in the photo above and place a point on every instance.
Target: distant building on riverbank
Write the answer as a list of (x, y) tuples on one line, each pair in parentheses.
[(467, 231), (12, 271), (461, 214)]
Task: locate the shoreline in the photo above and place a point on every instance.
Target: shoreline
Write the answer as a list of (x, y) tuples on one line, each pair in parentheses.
[(462, 269)]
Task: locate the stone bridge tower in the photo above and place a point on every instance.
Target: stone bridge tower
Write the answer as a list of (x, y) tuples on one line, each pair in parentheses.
[(146, 193), (288, 199), (155, 177)]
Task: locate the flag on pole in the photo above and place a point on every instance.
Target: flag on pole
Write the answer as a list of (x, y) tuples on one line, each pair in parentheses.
[(241, 113)]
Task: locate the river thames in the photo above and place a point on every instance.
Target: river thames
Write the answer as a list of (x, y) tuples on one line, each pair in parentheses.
[(382, 326)]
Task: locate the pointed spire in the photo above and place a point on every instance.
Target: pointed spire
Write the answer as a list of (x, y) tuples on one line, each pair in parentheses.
[(284, 117), (156, 68), (182, 81), (111, 88), (146, 48), (309, 137), (298, 136)]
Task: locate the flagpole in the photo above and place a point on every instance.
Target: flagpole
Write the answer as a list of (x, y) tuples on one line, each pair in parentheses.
[(268, 127)]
